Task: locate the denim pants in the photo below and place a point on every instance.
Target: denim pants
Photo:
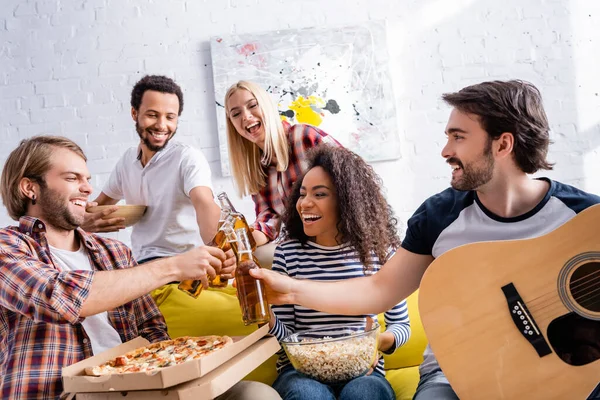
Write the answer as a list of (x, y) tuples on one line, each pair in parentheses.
[(434, 386), (292, 385)]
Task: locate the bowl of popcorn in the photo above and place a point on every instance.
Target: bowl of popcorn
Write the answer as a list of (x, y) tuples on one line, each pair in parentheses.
[(335, 353)]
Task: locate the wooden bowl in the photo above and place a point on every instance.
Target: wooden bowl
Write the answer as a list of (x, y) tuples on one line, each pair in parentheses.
[(131, 213)]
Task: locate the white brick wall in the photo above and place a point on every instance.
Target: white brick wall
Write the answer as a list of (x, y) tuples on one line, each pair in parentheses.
[(67, 68)]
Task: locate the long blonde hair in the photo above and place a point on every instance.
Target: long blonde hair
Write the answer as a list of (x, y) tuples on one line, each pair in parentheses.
[(244, 156)]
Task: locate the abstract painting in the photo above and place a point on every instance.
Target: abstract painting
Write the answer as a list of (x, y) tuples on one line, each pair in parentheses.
[(337, 79)]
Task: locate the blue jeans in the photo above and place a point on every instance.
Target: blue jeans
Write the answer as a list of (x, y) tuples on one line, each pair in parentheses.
[(292, 385), (434, 386)]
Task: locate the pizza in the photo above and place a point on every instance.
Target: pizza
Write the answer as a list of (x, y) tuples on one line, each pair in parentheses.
[(161, 355)]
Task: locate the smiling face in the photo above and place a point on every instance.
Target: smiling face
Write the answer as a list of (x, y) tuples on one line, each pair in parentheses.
[(468, 151), (317, 206), (156, 119), (64, 193), (246, 116)]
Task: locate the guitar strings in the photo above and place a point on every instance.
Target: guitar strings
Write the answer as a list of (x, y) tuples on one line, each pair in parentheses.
[(586, 285), (557, 307), (573, 286)]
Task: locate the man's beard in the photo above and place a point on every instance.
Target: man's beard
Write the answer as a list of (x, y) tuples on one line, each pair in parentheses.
[(56, 211), (146, 141), (477, 174)]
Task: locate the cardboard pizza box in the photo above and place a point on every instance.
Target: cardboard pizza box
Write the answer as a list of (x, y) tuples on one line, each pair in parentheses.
[(76, 381), (213, 384)]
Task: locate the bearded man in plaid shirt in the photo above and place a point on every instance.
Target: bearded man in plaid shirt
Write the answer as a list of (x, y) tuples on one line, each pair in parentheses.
[(66, 295)]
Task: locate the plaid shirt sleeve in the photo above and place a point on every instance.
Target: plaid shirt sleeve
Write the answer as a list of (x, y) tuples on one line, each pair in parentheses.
[(267, 220), (145, 319), (151, 324), (34, 288)]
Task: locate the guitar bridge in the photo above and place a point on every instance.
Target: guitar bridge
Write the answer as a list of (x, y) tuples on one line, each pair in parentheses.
[(524, 321)]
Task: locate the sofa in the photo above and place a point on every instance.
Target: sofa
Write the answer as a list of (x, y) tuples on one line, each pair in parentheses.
[(217, 312)]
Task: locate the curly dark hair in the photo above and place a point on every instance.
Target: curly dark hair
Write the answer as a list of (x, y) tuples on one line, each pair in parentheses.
[(509, 106), (157, 83), (366, 220)]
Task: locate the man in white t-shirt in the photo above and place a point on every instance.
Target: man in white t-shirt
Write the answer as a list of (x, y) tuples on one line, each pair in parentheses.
[(172, 179)]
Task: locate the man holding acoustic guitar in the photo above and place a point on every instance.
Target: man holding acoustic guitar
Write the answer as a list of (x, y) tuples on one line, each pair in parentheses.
[(487, 324)]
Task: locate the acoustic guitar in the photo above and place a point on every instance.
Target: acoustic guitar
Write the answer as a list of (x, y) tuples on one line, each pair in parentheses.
[(518, 319)]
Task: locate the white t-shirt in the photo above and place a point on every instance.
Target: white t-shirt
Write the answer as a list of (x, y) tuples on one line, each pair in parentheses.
[(102, 334), (169, 225)]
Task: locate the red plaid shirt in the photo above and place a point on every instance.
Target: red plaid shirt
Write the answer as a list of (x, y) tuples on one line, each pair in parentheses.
[(40, 304), (269, 202)]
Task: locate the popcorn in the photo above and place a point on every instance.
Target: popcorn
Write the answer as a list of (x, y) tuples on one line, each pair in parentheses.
[(334, 361)]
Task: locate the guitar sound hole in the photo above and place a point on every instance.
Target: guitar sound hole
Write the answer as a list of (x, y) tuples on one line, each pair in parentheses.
[(584, 286), (575, 339)]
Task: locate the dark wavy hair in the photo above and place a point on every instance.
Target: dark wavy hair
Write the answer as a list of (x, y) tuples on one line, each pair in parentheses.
[(158, 83), (366, 220), (509, 106)]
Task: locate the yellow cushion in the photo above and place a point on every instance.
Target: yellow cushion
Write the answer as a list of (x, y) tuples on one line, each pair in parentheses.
[(214, 312), (404, 381), (411, 354)]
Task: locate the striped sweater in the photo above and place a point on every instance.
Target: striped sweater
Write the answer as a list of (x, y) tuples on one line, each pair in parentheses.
[(316, 262)]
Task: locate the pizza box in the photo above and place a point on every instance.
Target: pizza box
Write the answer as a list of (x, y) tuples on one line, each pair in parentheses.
[(213, 384), (76, 381)]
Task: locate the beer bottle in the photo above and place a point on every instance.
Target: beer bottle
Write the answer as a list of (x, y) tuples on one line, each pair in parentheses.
[(223, 216), (250, 291), (240, 219), (222, 239)]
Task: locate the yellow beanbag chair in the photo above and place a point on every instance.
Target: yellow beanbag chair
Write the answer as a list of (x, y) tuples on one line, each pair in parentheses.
[(214, 312), (411, 354), (402, 367)]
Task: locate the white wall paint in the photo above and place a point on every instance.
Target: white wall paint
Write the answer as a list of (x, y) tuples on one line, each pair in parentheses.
[(67, 67)]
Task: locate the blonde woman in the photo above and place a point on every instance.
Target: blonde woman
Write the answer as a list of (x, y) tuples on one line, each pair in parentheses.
[(266, 153)]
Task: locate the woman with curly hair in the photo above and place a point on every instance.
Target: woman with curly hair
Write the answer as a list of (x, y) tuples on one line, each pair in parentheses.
[(338, 225)]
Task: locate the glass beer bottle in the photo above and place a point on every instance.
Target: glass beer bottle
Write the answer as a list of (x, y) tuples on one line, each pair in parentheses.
[(223, 216), (250, 291), (240, 220), (222, 240)]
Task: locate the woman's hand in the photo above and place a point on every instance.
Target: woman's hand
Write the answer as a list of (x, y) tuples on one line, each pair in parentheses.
[(368, 327), (386, 341), (259, 237)]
